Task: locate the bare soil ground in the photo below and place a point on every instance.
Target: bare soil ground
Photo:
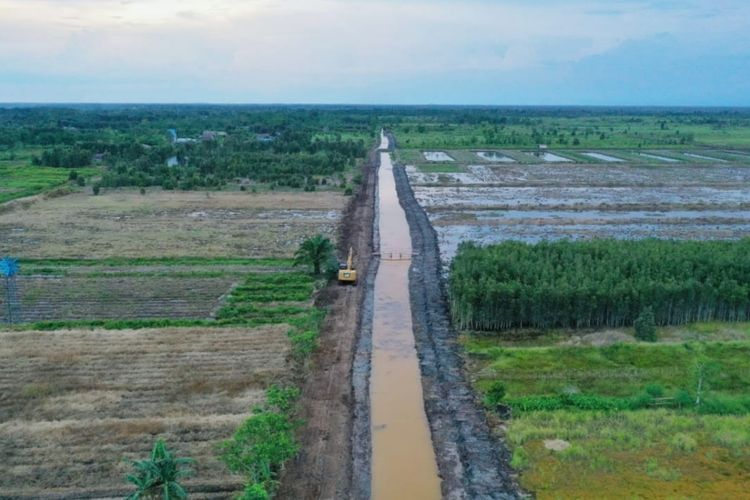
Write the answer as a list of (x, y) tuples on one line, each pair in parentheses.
[(323, 469), (124, 223), (76, 403)]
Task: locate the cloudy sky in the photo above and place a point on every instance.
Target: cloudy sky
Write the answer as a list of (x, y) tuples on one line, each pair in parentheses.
[(630, 52)]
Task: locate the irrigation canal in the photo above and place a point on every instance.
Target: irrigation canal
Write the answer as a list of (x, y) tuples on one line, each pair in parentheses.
[(403, 461)]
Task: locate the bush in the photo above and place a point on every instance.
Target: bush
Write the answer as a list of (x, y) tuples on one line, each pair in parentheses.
[(81, 181), (96, 188), (348, 191), (645, 326), (263, 443), (683, 442), (495, 394), (655, 390)]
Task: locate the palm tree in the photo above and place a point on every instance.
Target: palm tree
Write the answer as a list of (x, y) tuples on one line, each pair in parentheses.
[(314, 252), (157, 477)]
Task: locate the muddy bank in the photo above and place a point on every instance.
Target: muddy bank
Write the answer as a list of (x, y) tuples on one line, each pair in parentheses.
[(332, 404), (361, 439), (472, 463)]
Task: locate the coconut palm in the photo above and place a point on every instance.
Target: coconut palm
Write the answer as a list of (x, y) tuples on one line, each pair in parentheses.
[(157, 477), (314, 252)]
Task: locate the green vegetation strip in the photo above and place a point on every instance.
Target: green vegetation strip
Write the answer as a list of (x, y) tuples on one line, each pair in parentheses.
[(707, 377), (21, 181), (599, 283)]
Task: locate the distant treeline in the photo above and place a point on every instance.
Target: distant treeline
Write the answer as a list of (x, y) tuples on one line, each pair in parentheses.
[(166, 145), (300, 146), (599, 283)]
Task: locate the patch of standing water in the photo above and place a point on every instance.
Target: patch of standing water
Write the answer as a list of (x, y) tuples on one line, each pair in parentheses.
[(701, 157), (553, 158), (384, 142), (602, 157), (660, 158), (604, 215), (494, 156), (436, 156), (450, 236)]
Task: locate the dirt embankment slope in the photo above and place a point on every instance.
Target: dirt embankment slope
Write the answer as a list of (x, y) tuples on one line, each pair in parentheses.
[(323, 469), (472, 463)]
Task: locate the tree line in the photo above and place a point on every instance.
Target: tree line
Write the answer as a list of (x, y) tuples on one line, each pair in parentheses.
[(601, 283)]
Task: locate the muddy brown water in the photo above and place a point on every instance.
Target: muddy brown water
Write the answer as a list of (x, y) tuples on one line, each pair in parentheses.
[(403, 458), (384, 143)]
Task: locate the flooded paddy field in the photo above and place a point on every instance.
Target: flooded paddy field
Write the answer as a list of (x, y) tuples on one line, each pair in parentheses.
[(660, 158), (564, 156), (495, 157), (494, 203), (437, 156), (602, 157)]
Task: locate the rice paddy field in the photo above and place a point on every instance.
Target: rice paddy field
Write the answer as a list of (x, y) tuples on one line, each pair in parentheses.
[(490, 202), (78, 403), (144, 316), (596, 413)]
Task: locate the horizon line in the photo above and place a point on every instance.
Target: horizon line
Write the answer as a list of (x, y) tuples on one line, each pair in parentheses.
[(353, 104)]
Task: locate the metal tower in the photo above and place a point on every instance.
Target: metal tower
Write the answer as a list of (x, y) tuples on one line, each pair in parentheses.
[(9, 270)]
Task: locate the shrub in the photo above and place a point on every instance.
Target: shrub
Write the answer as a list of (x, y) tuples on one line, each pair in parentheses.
[(683, 442), (495, 394), (348, 191), (97, 188), (254, 491), (81, 181), (645, 326), (263, 443), (655, 390)]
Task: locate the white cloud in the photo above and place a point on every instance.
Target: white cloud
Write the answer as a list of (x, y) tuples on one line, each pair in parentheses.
[(276, 48)]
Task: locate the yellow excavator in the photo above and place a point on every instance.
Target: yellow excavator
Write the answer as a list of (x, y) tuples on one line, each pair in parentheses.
[(347, 273)]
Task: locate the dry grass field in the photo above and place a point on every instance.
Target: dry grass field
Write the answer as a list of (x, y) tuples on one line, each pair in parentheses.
[(124, 223), (76, 403)]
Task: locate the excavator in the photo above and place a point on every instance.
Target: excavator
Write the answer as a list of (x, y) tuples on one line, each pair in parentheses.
[(347, 273)]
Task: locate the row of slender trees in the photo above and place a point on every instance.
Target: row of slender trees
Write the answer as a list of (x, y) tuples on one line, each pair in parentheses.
[(599, 283)]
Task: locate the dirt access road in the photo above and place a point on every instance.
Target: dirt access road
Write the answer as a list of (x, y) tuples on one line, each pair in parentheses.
[(323, 469)]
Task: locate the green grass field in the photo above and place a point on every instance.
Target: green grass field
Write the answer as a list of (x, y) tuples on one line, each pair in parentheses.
[(626, 412), (604, 131), (18, 181), (639, 454), (618, 370)]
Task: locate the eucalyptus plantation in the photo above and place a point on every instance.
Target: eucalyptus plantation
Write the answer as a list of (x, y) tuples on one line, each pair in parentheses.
[(599, 283)]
